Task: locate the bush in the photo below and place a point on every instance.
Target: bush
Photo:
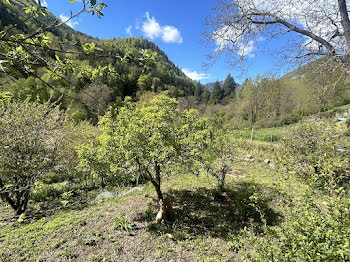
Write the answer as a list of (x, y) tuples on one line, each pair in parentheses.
[(312, 232), (317, 152), (74, 135), (30, 136)]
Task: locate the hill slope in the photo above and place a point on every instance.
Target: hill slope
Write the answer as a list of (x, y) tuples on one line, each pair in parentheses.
[(119, 79)]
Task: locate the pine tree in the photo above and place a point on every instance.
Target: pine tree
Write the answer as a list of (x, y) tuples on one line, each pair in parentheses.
[(217, 94), (229, 86)]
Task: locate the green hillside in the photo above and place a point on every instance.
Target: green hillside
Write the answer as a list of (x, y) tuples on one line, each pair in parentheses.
[(269, 101), (113, 68)]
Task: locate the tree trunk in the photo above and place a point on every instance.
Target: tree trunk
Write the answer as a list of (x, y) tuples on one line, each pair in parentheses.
[(24, 202), (345, 22), (158, 190), (5, 196), (222, 178), (156, 181)]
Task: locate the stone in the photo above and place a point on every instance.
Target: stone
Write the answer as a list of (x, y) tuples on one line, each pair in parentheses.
[(267, 161), (249, 158), (110, 195)]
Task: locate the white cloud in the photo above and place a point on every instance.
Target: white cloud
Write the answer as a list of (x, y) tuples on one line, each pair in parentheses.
[(194, 74), (246, 49), (128, 30), (43, 3), (70, 23), (171, 35), (152, 29)]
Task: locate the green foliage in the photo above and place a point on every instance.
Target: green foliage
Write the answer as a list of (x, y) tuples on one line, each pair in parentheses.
[(217, 94), (67, 254), (229, 86), (317, 152), (94, 163), (152, 138), (90, 242), (30, 135), (270, 102), (219, 151), (98, 258), (123, 224), (312, 232), (68, 66), (5, 98), (144, 82)]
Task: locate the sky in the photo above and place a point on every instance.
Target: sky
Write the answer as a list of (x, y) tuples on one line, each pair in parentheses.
[(177, 27)]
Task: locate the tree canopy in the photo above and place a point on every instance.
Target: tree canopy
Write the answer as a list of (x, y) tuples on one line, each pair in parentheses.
[(321, 28), (30, 137), (152, 136)]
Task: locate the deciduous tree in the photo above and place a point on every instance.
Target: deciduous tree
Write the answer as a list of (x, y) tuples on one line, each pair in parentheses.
[(154, 137), (30, 135), (318, 28)]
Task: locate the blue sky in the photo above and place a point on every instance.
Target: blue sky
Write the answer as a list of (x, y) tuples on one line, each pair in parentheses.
[(176, 27)]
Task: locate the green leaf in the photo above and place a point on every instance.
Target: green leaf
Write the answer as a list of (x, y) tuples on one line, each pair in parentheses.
[(58, 58)]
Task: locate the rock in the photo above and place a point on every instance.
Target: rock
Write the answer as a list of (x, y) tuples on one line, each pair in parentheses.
[(341, 150), (110, 195), (249, 158), (104, 196), (267, 161), (134, 189)]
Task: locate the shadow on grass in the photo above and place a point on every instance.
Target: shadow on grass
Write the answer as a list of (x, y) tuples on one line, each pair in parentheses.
[(206, 212)]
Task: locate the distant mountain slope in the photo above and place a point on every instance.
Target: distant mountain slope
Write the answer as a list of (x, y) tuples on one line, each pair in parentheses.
[(210, 85), (133, 81)]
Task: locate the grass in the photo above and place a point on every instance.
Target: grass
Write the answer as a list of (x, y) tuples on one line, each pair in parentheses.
[(270, 135), (259, 202)]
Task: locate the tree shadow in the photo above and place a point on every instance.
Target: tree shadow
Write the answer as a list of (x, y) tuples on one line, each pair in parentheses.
[(206, 212)]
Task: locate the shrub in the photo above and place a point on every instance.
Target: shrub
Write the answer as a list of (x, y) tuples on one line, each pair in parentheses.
[(317, 152), (219, 155), (312, 232), (30, 135)]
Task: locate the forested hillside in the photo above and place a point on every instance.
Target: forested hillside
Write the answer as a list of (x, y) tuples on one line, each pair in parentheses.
[(268, 101), (89, 83)]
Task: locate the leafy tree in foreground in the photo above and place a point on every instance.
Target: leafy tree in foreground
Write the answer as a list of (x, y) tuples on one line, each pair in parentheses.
[(154, 137), (29, 140)]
